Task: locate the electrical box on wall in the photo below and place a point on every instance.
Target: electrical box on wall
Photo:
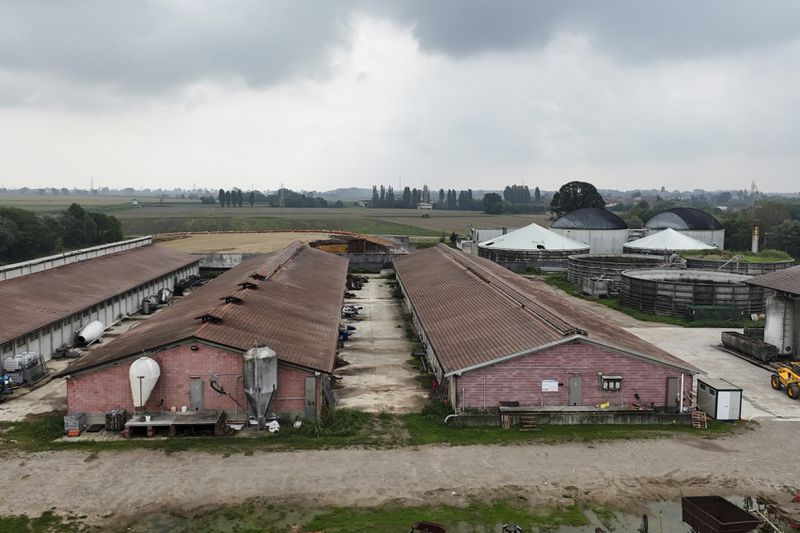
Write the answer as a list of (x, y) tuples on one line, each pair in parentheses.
[(610, 383)]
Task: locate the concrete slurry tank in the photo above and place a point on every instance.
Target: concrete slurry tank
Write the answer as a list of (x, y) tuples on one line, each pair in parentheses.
[(680, 293), (609, 267), (532, 247), (738, 267)]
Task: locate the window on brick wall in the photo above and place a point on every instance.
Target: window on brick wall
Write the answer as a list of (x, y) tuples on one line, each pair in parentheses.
[(611, 383)]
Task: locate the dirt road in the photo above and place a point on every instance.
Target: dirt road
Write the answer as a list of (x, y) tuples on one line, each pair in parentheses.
[(619, 472)]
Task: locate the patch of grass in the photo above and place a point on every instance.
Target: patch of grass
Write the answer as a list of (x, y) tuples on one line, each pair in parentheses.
[(764, 256), (560, 281), (486, 516), (283, 516), (429, 428), (341, 428), (47, 522)]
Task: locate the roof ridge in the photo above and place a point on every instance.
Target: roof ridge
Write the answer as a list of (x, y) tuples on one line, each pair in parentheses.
[(267, 271), (552, 319)]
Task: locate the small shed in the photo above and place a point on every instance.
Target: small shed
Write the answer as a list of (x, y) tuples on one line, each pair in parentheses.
[(720, 399)]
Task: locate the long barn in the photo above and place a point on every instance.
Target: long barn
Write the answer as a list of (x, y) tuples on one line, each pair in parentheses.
[(45, 302), (492, 336), (289, 301)]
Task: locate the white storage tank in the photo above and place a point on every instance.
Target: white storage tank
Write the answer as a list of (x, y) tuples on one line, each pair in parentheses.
[(720, 399), (603, 231)]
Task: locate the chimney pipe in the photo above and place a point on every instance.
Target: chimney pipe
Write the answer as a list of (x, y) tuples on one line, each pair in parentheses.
[(754, 246)]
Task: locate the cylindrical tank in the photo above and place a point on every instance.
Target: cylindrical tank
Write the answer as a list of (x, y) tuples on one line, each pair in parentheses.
[(93, 331), (679, 292), (143, 375), (260, 379), (737, 267), (607, 266)]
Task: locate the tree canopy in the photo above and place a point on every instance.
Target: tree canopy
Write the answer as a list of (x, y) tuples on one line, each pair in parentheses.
[(576, 195)]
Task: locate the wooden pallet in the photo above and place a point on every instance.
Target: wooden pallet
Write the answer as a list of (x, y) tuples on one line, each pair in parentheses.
[(528, 423), (699, 419)]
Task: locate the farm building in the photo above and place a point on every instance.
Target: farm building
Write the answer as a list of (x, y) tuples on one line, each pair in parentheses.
[(691, 222), (665, 242), (492, 336), (782, 328), (363, 251), (47, 301), (602, 230), (531, 247), (288, 301)]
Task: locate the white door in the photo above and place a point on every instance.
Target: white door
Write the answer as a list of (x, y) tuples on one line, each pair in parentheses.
[(723, 405)]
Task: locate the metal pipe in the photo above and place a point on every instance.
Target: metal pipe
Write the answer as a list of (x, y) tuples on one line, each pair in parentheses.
[(680, 409), (448, 417)]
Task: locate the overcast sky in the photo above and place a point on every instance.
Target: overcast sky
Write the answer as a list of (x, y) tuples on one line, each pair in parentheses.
[(452, 93)]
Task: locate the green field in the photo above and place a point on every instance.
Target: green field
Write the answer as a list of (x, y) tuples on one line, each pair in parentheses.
[(189, 215)]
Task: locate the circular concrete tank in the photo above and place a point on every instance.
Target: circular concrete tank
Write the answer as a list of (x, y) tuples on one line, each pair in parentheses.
[(607, 266), (676, 292), (737, 267)]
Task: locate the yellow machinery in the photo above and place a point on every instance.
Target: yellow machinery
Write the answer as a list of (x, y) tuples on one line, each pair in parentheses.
[(787, 377)]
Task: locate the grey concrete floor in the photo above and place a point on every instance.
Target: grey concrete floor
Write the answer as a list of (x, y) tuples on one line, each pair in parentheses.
[(379, 376), (52, 395), (698, 346)]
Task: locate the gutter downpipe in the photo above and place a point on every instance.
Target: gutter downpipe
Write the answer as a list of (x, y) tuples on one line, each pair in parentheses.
[(448, 417), (681, 396)]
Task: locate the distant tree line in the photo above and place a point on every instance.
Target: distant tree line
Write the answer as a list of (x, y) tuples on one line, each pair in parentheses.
[(280, 198), (25, 235), (516, 199)]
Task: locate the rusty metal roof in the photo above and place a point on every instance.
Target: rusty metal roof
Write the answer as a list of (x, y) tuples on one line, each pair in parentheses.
[(289, 300), (475, 312), (786, 280), (33, 301)]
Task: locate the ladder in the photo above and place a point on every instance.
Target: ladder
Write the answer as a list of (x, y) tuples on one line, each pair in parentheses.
[(699, 419)]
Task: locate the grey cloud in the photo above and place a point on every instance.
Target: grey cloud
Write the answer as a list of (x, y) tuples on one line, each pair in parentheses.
[(144, 46), (629, 29)]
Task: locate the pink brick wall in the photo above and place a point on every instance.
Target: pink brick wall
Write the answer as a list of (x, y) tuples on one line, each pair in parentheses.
[(520, 379), (103, 390)]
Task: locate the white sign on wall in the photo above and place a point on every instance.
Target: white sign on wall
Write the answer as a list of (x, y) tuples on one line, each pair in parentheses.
[(549, 385)]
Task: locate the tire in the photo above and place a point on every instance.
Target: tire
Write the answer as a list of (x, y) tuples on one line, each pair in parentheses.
[(793, 391), (775, 381)]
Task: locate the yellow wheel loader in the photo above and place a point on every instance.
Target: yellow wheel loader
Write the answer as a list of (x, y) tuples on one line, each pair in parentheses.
[(787, 377)]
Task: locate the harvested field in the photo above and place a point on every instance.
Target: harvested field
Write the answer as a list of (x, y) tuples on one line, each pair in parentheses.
[(239, 242)]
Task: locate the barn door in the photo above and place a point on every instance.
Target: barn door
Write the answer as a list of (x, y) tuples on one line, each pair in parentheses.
[(196, 390), (672, 400), (311, 397), (575, 390)]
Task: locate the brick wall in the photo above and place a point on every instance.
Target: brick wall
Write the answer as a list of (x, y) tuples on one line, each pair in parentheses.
[(103, 390), (520, 379)]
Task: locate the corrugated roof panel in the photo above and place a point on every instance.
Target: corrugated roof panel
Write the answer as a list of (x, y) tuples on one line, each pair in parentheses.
[(786, 280), (474, 311), (33, 301), (295, 311)]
